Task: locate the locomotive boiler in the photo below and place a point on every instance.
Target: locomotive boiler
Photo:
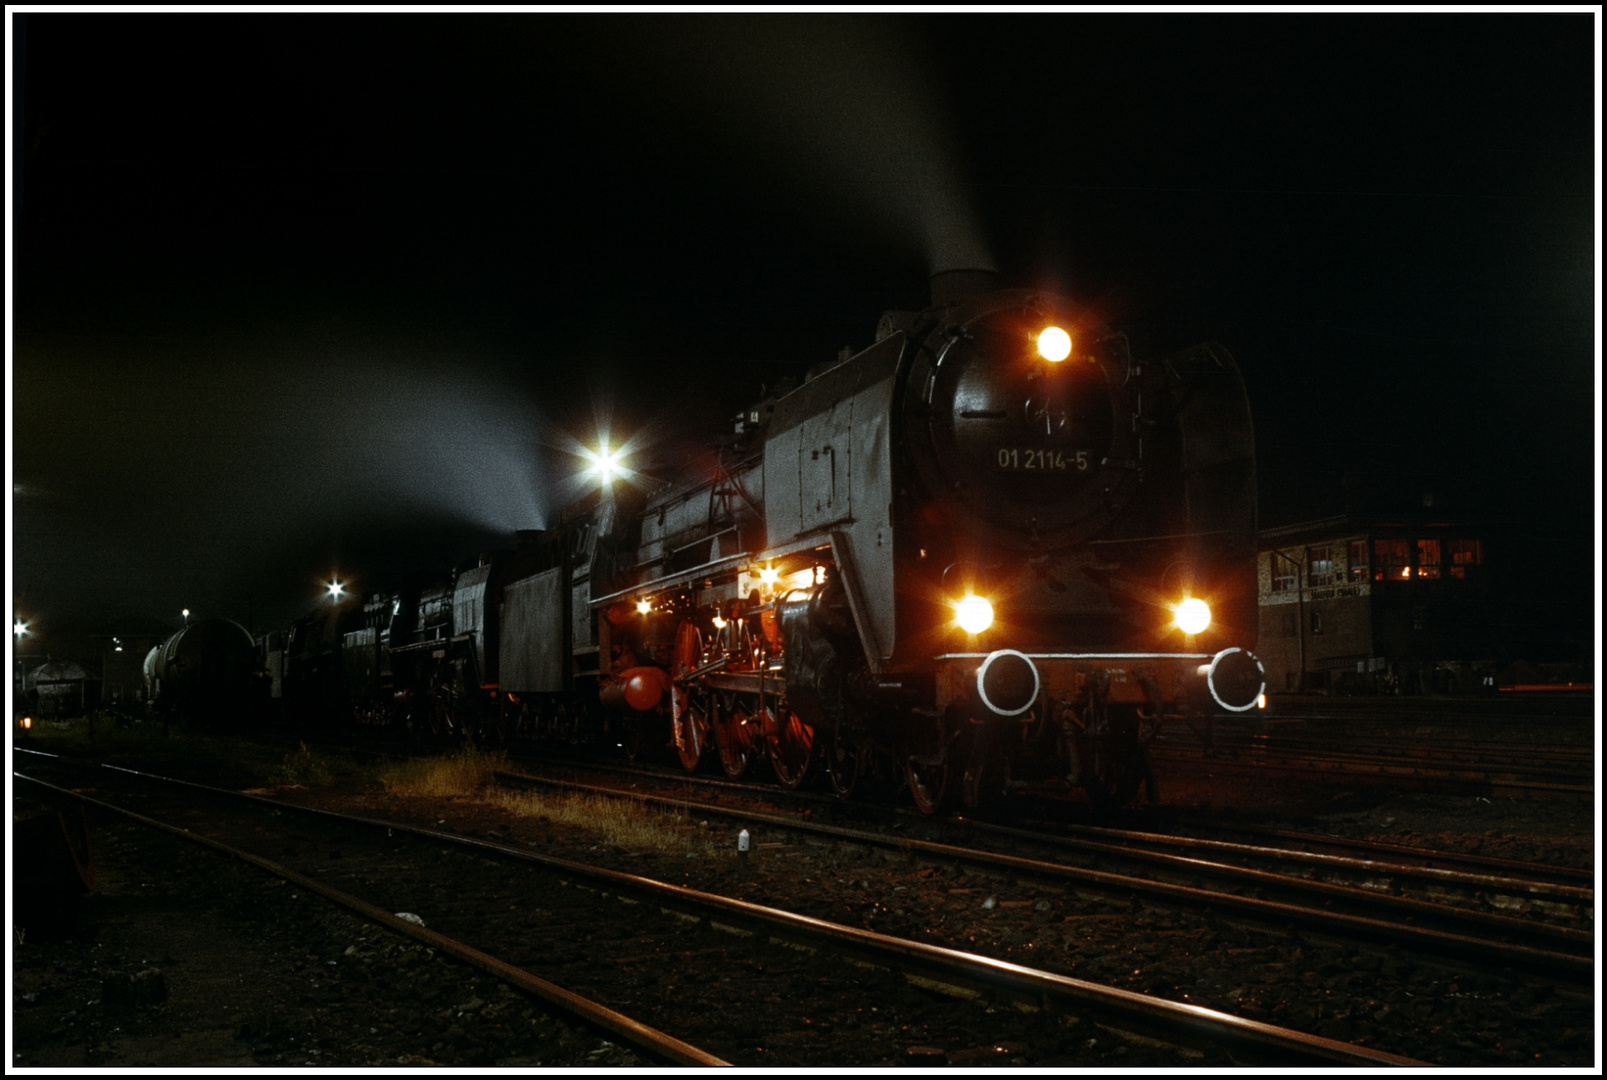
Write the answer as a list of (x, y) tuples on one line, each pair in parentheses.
[(992, 552)]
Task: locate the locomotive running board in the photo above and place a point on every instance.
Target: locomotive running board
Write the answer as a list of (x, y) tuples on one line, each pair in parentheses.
[(772, 686)]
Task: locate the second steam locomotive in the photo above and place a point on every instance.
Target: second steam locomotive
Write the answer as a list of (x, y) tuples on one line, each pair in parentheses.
[(993, 552)]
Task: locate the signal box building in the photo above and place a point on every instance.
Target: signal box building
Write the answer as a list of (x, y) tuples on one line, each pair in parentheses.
[(1383, 606)]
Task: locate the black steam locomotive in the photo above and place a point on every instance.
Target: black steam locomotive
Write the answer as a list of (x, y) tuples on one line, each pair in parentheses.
[(992, 552)]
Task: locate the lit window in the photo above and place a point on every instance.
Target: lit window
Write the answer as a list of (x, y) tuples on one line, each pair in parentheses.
[(1320, 566), (1358, 560), (1391, 560), (1464, 553), (1284, 577), (1428, 558)]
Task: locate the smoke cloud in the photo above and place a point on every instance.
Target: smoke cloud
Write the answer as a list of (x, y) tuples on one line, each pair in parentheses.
[(841, 104)]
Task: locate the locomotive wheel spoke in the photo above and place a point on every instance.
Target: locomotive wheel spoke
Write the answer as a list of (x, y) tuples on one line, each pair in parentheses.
[(843, 762), (791, 744), (689, 705), (692, 723), (733, 736), (928, 783), (931, 769)]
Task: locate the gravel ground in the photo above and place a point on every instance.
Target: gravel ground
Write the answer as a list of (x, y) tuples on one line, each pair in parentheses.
[(254, 974)]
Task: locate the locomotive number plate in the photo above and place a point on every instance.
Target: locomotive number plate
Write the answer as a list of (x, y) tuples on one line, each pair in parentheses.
[(1029, 459)]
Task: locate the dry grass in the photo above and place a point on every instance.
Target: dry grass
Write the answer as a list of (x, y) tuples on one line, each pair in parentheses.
[(623, 823), (620, 822), (462, 775), (304, 768)]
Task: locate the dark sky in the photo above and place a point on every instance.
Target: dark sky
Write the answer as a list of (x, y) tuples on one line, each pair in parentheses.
[(303, 293)]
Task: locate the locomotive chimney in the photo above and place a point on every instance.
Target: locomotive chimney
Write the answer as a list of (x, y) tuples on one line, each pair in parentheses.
[(953, 286)]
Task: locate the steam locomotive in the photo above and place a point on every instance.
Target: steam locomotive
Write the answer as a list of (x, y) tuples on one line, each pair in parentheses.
[(993, 552)]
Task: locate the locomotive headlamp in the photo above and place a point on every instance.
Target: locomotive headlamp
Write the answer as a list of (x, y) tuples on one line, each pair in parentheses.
[(1054, 344), (643, 606), (973, 614), (1192, 615)]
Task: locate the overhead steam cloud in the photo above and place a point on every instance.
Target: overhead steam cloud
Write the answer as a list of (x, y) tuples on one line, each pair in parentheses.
[(184, 478), (842, 102)]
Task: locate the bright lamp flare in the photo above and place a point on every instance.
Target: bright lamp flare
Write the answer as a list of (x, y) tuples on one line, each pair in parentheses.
[(1054, 344), (644, 606), (974, 614), (335, 590), (605, 463), (1192, 615)]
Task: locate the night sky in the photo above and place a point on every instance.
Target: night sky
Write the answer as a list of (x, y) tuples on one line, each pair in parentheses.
[(295, 294)]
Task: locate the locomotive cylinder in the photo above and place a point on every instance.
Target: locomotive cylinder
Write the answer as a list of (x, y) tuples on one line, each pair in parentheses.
[(639, 688)]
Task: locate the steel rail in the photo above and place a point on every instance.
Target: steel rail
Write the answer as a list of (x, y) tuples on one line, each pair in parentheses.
[(1540, 870), (629, 1030), (1573, 893), (1575, 965), (948, 965), (1336, 766), (1537, 885)]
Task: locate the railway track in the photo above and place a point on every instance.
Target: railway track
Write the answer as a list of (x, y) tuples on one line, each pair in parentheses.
[(1538, 773), (653, 1044), (687, 945), (1435, 911)]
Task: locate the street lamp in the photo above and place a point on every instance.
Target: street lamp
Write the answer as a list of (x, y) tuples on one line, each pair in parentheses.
[(605, 463), (335, 590), (20, 629)]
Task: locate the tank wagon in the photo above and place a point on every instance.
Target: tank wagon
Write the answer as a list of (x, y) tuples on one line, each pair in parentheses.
[(202, 673)]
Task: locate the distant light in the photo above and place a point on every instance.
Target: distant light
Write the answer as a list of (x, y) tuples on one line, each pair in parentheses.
[(643, 606), (26, 722), (20, 628), (1054, 344), (719, 623), (335, 590), (605, 463), (974, 614), (1192, 615)]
